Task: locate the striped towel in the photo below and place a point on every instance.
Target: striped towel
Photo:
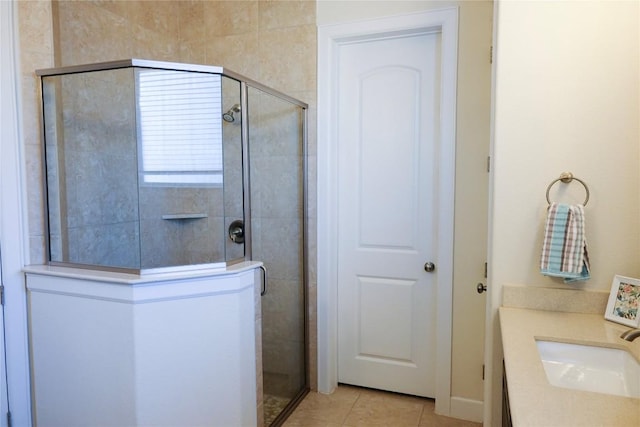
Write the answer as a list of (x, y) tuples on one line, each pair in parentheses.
[(564, 252)]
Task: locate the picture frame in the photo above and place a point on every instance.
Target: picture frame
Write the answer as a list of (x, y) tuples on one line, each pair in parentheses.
[(624, 301)]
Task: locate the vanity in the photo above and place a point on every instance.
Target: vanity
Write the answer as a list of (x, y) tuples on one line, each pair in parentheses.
[(120, 349), (529, 316)]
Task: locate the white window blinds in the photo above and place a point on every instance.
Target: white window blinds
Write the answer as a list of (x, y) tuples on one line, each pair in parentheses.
[(180, 127)]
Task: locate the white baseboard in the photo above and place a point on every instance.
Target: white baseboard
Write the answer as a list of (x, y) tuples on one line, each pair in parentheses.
[(467, 409)]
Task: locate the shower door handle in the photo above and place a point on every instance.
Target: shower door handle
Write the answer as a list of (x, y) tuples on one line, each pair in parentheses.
[(264, 280)]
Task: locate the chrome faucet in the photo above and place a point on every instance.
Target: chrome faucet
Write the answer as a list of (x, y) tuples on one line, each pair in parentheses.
[(630, 335)]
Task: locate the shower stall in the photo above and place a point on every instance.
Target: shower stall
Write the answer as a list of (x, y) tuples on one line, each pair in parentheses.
[(155, 167)]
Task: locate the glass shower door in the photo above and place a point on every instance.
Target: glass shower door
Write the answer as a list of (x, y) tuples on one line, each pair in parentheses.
[(276, 153)]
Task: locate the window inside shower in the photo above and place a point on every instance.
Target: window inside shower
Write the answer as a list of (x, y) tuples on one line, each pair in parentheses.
[(180, 127)]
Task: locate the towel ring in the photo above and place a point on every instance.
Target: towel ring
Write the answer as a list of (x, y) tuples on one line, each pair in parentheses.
[(567, 177)]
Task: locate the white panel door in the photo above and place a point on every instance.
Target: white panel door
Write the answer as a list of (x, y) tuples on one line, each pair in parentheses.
[(387, 137)]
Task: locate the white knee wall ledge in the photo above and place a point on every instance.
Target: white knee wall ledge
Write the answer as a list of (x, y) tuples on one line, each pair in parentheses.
[(159, 351)]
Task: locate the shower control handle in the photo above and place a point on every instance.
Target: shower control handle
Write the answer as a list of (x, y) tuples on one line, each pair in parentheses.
[(429, 267), (236, 231)]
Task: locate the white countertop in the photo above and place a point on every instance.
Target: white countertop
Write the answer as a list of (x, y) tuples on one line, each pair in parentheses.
[(535, 402)]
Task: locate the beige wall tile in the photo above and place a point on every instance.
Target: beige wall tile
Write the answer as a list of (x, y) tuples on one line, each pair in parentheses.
[(148, 44), (88, 33), (158, 16), (36, 51), (288, 58), (192, 52), (35, 25), (35, 196), (191, 21), (223, 18), (31, 100), (118, 7), (282, 14), (235, 52)]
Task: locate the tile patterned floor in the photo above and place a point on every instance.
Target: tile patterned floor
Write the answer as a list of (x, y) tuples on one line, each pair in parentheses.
[(273, 405), (360, 407)]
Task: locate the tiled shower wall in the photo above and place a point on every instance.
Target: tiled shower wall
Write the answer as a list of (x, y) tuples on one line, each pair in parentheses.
[(100, 211), (92, 168), (272, 42)]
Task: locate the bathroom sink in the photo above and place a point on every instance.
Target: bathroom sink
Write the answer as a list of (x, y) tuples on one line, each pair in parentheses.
[(590, 368)]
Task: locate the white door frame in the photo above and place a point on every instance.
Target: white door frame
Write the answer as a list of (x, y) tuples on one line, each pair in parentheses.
[(330, 38), (12, 221)]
